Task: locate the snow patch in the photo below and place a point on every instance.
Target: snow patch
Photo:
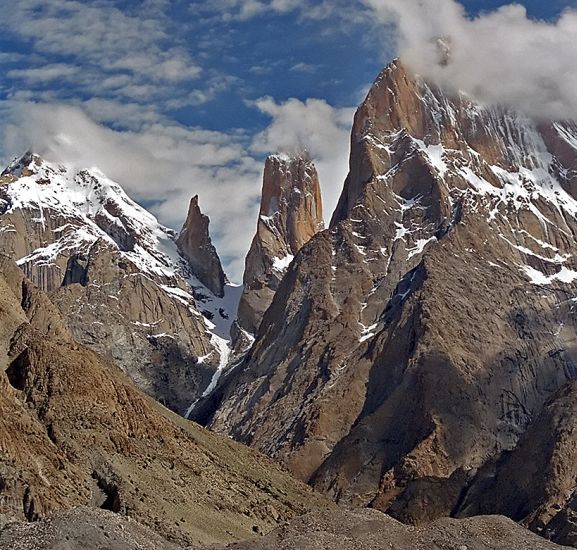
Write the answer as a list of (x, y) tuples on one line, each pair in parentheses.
[(434, 154), (281, 264), (536, 277), (419, 247)]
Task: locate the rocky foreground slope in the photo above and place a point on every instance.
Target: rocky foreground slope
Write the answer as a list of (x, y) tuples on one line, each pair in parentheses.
[(366, 529), (411, 349), (75, 432), (82, 529), (362, 529), (132, 289)]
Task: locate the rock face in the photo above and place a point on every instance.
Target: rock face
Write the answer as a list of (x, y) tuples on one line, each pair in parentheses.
[(535, 483), (290, 214), (416, 340), (196, 246), (117, 275), (75, 432)]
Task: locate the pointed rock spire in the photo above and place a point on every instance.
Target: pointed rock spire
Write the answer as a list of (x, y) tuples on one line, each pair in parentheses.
[(196, 246), (290, 214)]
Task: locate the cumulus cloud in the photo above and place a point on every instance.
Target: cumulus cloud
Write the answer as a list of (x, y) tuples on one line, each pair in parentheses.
[(499, 57), (314, 125)]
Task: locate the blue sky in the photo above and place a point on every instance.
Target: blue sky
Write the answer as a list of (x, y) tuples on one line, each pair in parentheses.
[(173, 98), (283, 55)]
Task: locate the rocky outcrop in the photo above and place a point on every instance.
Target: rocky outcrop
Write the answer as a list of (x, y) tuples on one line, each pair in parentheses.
[(196, 246), (290, 214), (117, 275), (418, 339), (75, 432)]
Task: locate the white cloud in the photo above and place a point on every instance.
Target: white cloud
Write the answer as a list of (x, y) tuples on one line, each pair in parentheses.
[(134, 72), (243, 10), (46, 73), (499, 57), (303, 68), (130, 116), (316, 126), (199, 96), (160, 162), (105, 49)]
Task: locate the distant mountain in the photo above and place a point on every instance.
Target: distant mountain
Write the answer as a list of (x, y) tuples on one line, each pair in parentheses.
[(415, 343), (128, 286)]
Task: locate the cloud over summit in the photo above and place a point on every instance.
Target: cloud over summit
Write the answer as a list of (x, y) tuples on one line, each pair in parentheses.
[(499, 57)]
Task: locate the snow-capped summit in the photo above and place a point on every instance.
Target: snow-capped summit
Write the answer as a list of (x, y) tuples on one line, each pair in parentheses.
[(65, 225), (94, 207)]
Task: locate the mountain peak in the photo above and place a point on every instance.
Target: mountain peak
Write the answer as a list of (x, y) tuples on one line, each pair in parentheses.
[(290, 157), (196, 246), (285, 178), (290, 214), (412, 344), (79, 236)]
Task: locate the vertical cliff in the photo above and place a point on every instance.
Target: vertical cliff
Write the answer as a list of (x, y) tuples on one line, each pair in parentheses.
[(418, 338), (290, 214), (196, 246)]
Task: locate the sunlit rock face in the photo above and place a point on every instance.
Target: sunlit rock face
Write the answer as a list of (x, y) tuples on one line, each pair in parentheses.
[(118, 276), (290, 214)]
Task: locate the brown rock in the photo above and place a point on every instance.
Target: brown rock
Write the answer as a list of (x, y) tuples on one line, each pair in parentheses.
[(290, 214), (74, 432), (535, 483), (416, 340), (114, 272), (196, 246), (371, 530), (82, 529)]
